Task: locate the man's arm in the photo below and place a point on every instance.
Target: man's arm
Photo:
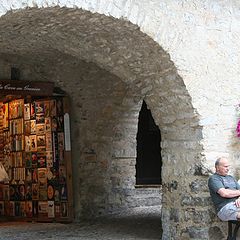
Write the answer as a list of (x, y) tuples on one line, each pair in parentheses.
[(228, 193)]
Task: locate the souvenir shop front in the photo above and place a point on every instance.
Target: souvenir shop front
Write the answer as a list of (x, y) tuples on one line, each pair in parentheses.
[(35, 151)]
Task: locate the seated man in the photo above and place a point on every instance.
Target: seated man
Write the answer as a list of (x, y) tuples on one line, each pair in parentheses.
[(224, 191)]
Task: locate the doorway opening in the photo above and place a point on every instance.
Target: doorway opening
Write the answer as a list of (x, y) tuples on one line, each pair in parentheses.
[(149, 159)]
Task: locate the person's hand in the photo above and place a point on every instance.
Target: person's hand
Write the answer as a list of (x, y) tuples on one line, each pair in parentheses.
[(237, 202)]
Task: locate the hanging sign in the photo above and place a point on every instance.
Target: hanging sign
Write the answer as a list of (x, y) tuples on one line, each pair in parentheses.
[(26, 87)]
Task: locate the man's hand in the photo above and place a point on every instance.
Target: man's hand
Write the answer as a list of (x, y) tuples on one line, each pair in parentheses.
[(237, 202)]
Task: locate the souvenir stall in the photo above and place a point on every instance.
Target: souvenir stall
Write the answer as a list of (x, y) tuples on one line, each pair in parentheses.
[(35, 151)]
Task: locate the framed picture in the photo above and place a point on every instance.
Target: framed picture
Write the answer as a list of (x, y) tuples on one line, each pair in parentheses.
[(42, 176), (34, 159), (41, 159), (28, 195), (49, 159), (35, 191), (6, 192), (34, 175), (40, 118), (28, 175), (50, 192), (43, 192), (21, 190), (17, 209), (50, 176), (27, 112), (27, 144), (43, 209), (41, 142), (54, 124), (5, 116), (33, 143), (39, 107), (29, 209), (33, 126), (47, 109), (12, 192), (40, 129), (51, 209), (11, 208), (32, 111), (48, 125), (27, 127), (48, 142), (16, 108), (22, 209), (27, 159), (35, 208)]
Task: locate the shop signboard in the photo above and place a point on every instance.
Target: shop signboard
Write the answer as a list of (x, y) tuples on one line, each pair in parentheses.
[(19, 87)]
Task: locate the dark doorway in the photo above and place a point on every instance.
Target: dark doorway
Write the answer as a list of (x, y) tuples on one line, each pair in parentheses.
[(149, 160)]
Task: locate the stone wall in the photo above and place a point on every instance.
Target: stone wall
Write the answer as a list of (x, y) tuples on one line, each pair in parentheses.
[(103, 133), (180, 57)]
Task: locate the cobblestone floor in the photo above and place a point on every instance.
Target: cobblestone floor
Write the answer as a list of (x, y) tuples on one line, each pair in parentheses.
[(140, 223)]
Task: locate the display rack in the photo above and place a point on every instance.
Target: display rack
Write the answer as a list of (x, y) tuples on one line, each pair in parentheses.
[(33, 151)]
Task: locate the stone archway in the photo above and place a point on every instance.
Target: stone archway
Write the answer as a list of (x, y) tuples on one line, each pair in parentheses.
[(59, 44)]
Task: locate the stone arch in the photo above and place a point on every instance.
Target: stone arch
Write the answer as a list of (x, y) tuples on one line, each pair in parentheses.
[(71, 39)]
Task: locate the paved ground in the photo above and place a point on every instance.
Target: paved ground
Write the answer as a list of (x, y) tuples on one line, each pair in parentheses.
[(140, 223)]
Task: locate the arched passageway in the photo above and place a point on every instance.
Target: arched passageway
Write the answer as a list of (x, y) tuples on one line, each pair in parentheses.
[(108, 67), (149, 159)]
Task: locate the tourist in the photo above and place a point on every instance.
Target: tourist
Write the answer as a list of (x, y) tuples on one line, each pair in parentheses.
[(224, 191)]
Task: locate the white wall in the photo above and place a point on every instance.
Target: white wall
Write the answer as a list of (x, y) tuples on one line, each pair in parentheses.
[(202, 38)]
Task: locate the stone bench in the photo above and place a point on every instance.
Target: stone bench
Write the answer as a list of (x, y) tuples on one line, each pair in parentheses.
[(232, 232)]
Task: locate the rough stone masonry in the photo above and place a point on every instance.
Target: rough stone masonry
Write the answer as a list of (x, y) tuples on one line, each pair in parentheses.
[(181, 57)]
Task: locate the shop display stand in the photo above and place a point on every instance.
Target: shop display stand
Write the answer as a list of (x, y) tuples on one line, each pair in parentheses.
[(35, 150)]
